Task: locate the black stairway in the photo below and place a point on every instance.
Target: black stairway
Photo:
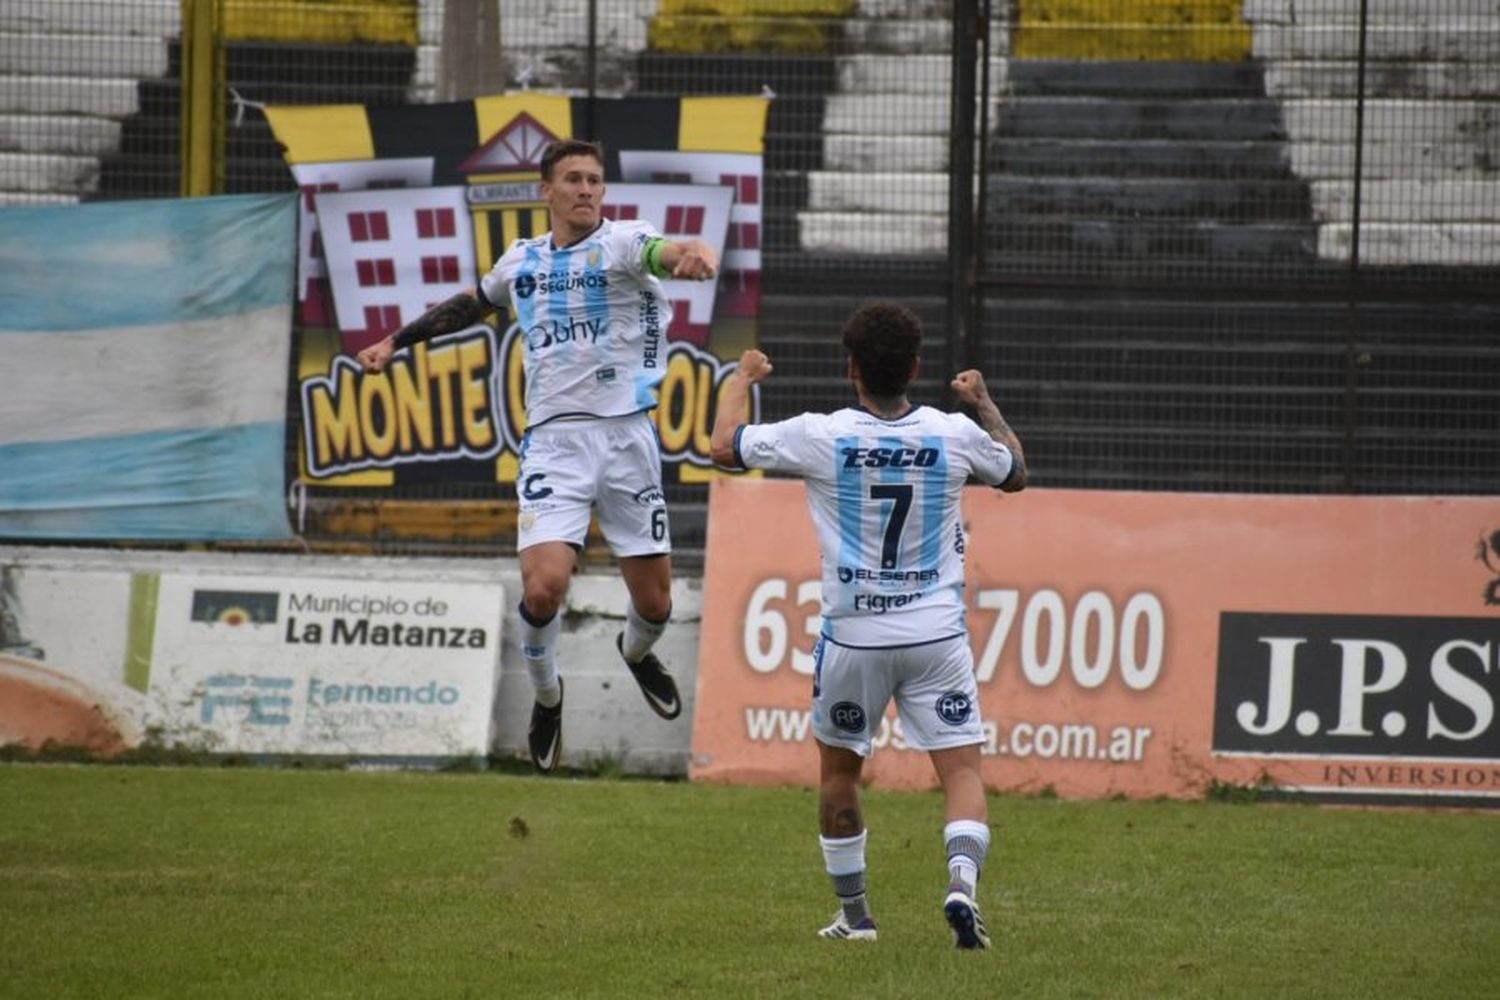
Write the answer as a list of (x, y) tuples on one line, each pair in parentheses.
[(148, 162), (1158, 317)]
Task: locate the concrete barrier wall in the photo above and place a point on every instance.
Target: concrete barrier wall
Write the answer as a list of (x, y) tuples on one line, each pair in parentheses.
[(605, 719)]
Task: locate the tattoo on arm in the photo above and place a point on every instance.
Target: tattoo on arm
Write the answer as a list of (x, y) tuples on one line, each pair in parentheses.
[(448, 316), (995, 426)]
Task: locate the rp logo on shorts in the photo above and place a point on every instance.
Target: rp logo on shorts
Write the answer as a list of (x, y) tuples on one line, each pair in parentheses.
[(954, 708), (847, 716)]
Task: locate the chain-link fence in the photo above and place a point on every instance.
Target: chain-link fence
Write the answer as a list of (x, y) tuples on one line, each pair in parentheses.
[(1210, 244)]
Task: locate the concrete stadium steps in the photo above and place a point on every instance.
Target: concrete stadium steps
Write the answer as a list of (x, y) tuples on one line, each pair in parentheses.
[(1254, 242), (147, 161), (1242, 394), (793, 141), (1237, 200), (1071, 77), (1180, 393), (1135, 30), (1432, 82), (1126, 158), (1187, 117), (59, 134), (1392, 80), (65, 85), (28, 53), (1124, 173), (76, 95)]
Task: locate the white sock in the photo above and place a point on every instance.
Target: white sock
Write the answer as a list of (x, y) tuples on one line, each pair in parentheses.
[(538, 650), (844, 858), (967, 842), (640, 633)]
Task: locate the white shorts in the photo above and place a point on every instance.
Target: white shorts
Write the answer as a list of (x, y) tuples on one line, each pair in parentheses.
[(569, 467), (937, 699)]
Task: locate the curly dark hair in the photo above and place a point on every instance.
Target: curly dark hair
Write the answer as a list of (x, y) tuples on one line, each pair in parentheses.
[(569, 147), (883, 338)]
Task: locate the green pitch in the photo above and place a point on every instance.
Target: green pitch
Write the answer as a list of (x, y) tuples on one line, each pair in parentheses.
[(196, 882)]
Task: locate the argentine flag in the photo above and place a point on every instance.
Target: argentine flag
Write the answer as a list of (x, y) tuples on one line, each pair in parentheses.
[(144, 352)]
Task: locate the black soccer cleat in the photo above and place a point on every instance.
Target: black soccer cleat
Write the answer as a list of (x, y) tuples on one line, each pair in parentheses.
[(545, 735), (656, 684)]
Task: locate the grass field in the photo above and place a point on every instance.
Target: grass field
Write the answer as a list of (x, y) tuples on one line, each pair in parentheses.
[(199, 882)]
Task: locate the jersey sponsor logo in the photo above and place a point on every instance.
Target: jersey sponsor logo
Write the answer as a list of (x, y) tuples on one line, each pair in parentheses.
[(651, 325), (954, 708), (692, 381), (651, 496), (531, 491), (555, 333), (895, 458), (879, 604), (543, 283), (850, 574), (848, 716)]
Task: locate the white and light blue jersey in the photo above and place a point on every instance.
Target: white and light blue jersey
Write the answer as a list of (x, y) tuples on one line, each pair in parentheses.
[(594, 321), (884, 496)]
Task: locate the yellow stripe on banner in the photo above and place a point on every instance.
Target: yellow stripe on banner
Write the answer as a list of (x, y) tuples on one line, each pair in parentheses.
[(541, 221), (695, 474), (323, 133), (554, 113), (722, 124)]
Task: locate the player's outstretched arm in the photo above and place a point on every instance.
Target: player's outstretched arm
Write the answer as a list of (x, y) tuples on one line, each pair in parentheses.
[(970, 388), (734, 406), (690, 259), (449, 316)]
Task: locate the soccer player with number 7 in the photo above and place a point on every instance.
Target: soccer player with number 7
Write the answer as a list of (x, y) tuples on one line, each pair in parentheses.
[(884, 480), (589, 300)]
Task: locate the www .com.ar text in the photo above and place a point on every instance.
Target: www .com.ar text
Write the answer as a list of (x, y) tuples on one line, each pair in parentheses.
[(1046, 740)]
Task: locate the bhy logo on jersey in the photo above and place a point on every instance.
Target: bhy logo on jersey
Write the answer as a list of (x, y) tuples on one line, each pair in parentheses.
[(692, 381)]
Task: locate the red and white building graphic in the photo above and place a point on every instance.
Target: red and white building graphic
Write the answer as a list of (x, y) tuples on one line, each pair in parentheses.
[(742, 174), (393, 254), (316, 179)]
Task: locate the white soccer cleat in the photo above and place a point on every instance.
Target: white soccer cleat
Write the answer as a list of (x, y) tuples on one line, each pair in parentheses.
[(963, 916), (840, 930)]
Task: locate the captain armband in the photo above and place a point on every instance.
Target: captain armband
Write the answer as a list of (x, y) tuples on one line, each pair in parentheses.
[(651, 257)]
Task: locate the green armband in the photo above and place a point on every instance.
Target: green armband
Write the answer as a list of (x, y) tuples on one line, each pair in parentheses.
[(651, 258)]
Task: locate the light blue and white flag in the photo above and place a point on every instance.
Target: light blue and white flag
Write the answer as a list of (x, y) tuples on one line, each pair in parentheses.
[(144, 352)]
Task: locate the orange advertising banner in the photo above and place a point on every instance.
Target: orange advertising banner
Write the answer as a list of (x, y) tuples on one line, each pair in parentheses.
[(1146, 644)]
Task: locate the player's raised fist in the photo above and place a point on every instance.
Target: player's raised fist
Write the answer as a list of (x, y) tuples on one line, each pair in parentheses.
[(696, 261), (969, 387), (754, 366), (375, 357)]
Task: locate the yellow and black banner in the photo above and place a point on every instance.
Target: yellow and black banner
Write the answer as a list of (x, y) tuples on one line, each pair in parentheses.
[(452, 411)]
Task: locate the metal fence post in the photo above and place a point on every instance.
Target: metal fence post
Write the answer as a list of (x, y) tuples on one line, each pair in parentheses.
[(961, 189), (202, 118), (1351, 325)]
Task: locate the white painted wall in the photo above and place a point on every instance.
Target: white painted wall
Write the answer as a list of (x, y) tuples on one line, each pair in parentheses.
[(605, 717)]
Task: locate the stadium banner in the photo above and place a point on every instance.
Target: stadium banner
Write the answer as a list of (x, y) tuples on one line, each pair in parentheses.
[(403, 207), (1148, 644), (269, 666), (143, 389)]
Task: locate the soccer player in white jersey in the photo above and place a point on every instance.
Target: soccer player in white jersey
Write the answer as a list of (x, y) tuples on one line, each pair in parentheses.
[(883, 484), (589, 298)]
